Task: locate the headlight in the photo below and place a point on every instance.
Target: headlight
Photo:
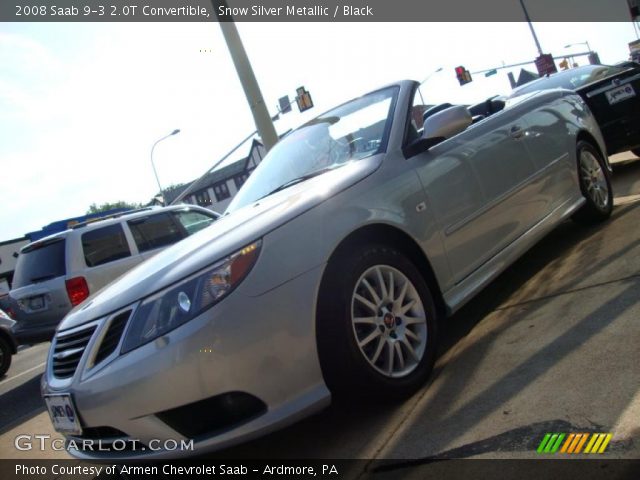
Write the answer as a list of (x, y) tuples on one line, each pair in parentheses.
[(178, 304)]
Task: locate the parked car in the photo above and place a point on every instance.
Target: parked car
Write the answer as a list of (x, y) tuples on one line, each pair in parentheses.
[(327, 275), (611, 92), (60, 271), (8, 344)]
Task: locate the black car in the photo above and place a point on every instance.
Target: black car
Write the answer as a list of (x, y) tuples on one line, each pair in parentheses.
[(613, 95)]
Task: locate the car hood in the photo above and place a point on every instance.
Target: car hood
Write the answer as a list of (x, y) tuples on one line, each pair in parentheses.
[(225, 236)]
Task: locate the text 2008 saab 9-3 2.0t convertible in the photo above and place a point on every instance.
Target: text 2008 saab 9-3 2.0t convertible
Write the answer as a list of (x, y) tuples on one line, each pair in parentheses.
[(354, 237)]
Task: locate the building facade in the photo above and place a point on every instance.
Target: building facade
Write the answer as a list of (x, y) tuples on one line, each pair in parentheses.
[(217, 188)]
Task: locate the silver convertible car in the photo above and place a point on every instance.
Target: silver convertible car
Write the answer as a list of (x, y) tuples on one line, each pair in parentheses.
[(328, 274)]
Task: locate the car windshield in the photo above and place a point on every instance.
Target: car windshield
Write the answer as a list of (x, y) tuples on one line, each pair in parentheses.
[(350, 132), (570, 79)]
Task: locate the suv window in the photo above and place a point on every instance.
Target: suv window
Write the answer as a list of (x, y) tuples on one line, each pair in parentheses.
[(155, 231), (193, 221), (104, 245), (40, 262)]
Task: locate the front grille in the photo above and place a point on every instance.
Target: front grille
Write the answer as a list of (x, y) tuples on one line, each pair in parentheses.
[(68, 350), (111, 339)]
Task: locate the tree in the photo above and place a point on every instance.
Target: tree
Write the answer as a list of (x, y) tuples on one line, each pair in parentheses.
[(93, 208)]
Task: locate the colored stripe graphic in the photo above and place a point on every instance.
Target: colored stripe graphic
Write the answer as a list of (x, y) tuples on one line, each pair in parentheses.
[(607, 439), (582, 440), (576, 440), (593, 440), (568, 442), (553, 443), (543, 443)]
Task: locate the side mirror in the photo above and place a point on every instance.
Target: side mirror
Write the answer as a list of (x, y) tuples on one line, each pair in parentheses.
[(447, 123)]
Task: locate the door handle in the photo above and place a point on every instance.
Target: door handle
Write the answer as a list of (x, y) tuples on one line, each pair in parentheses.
[(516, 132)]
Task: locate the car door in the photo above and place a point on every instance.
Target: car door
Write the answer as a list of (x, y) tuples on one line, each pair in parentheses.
[(476, 183), (548, 142)]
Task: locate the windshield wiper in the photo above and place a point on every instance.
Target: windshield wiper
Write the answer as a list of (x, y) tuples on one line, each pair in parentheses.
[(301, 179)]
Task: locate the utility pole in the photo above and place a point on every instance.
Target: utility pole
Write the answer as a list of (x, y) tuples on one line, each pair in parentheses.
[(533, 32), (261, 116)]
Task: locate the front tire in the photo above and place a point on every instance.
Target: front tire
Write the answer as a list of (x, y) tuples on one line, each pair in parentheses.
[(5, 356), (376, 325), (595, 184)]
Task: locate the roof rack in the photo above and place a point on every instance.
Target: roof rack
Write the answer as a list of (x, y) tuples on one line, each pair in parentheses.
[(108, 217)]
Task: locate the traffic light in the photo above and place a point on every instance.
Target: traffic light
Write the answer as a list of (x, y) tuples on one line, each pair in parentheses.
[(564, 64), (303, 99), (463, 75)]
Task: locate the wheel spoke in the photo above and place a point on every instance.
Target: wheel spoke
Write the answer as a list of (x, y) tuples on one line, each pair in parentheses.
[(414, 320), (366, 303), (400, 355), (407, 307), (372, 292), (367, 320), (390, 355), (376, 355), (409, 347), (383, 287), (411, 334), (392, 286), (403, 293), (369, 338)]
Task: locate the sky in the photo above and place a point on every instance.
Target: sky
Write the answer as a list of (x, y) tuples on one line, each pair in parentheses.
[(82, 104)]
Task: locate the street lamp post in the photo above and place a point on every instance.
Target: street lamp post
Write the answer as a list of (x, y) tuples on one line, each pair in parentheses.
[(431, 74), (176, 131), (579, 43)]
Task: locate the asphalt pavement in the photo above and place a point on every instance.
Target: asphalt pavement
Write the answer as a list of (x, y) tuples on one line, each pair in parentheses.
[(550, 346)]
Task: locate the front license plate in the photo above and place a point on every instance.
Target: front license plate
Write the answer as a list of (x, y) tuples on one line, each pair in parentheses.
[(63, 414), (619, 94)]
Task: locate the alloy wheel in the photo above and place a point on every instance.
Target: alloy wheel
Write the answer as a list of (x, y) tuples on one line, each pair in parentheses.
[(594, 180), (389, 321)]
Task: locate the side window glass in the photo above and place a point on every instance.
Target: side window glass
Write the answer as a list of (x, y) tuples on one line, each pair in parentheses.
[(155, 231), (104, 245), (193, 221)]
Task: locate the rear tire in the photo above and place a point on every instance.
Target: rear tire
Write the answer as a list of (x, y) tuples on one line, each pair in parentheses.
[(5, 356), (375, 325), (595, 184)]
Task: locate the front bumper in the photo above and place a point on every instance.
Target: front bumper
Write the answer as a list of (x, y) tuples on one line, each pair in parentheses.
[(263, 346)]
